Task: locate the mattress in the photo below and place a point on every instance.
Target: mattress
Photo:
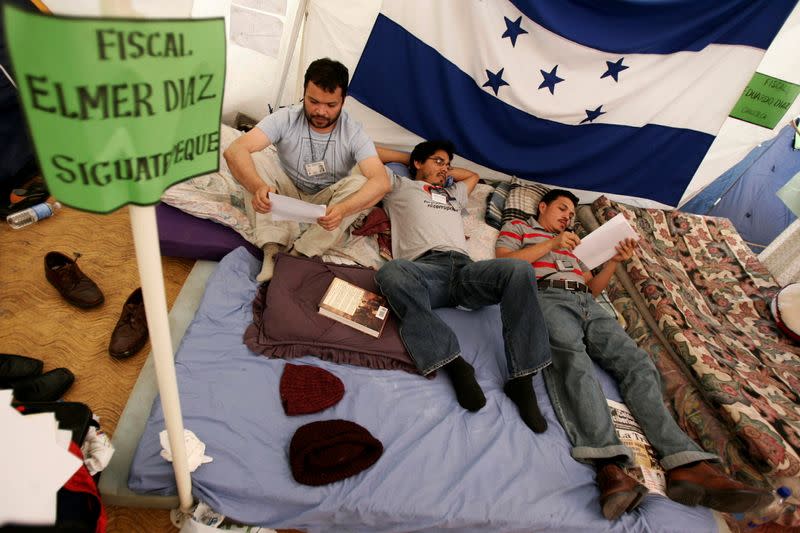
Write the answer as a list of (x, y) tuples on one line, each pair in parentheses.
[(442, 468)]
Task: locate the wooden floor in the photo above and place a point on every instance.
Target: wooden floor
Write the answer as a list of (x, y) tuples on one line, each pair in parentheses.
[(37, 322)]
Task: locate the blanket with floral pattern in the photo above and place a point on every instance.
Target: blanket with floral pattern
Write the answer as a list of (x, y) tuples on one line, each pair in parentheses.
[(709, 297)]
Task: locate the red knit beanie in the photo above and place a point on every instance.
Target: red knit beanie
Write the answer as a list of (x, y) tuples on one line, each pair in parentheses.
[(307, 389), (331, 450)]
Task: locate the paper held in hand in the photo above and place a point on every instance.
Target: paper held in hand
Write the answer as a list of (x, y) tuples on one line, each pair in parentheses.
[(599, 246), (356, 307), (288, 208)]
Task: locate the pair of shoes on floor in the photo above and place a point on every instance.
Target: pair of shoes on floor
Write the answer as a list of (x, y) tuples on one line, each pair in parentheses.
[(130, 334), (698, 483), (24, 376)]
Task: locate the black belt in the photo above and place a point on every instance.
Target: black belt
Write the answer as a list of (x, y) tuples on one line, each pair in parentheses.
[(566, 284)]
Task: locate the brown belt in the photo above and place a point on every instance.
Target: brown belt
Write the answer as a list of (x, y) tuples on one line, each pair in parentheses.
[(566, 284)]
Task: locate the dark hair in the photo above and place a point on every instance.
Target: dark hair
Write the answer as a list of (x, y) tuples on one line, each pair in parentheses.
[(424, 150), (328, 75), (553, 194)]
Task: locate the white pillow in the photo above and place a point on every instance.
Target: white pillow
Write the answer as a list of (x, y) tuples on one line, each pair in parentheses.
[(786, 310)]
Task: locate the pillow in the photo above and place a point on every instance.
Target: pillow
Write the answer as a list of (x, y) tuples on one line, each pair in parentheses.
[(496, 203), (287, 324), (786, 310), (400, 169), (523, 201)]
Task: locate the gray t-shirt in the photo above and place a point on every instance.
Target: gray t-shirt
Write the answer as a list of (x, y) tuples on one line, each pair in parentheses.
[(341, 149), (425, 218)]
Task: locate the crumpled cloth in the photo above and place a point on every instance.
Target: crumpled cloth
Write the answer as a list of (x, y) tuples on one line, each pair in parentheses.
[(97, 450), (377, 223), (195, 449)]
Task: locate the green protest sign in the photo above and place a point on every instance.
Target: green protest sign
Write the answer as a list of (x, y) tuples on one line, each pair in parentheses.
[(765, 100), (118, 110)]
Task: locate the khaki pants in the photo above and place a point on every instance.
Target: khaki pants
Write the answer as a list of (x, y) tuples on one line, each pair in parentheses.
[(308, 239)]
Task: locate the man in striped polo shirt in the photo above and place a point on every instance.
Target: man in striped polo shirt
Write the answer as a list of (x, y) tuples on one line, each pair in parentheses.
[(581, 332)]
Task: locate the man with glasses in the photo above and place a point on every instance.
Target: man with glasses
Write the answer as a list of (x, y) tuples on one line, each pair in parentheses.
[(431, 268), (317, 146)]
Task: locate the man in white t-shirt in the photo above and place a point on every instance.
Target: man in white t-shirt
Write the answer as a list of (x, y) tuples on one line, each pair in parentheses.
[(431, 268), (317, 147)]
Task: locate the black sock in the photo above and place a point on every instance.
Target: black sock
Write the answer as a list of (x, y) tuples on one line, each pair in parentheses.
[(468, 392), (520, 390)]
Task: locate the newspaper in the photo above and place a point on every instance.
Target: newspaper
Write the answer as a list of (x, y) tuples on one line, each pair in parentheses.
[(647, 469)]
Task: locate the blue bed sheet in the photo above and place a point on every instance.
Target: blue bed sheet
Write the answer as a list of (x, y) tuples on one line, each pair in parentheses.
[(443, 468)]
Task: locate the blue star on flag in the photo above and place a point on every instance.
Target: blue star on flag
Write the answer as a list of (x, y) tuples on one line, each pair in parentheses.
[(495, 81), (614, 69), (513, 30), (550, 79), (591, 115)]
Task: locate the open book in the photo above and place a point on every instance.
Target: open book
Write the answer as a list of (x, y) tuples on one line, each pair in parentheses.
[(647, 469), (354, 306)]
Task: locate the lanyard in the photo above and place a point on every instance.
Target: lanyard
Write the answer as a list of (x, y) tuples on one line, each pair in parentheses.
[(311, 143)]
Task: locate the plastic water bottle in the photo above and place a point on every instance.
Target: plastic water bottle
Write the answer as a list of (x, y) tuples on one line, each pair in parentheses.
[(33, 214), (770, 512)]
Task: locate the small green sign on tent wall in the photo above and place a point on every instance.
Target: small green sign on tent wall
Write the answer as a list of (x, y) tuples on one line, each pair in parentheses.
[(765, 100), (118, 109)]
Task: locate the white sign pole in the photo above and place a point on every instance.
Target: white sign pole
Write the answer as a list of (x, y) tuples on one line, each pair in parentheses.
[(148, 258)]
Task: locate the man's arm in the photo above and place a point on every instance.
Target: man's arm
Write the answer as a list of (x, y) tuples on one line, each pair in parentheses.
[(387, 155), (239, 160), (565, 240), (467, 176), (625, 250), (369, 194)]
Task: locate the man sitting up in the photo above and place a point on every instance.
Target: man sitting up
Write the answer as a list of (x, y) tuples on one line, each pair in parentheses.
[(317, 145), (433, 269), (582, 332)]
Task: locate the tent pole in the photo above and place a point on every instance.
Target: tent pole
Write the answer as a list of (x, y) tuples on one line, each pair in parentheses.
[(299, 19)]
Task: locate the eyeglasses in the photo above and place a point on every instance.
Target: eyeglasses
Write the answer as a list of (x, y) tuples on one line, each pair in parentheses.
[(440, 162)]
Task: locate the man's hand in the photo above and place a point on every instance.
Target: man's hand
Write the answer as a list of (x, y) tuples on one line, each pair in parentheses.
[(333, 217), (625, 250), (566, 240), (261, 201)]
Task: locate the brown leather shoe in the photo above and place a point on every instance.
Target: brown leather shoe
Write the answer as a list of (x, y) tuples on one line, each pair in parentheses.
[(702, 484), (75, 286), (619, 492), (130, 333)]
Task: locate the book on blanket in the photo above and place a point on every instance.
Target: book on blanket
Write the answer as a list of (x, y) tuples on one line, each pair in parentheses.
[(647, 469), (355, 307)]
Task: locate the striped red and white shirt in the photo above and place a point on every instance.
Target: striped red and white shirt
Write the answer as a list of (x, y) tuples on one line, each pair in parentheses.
[(518, 234)]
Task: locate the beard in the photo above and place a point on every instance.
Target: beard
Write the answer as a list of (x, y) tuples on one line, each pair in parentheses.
[(321, 122)]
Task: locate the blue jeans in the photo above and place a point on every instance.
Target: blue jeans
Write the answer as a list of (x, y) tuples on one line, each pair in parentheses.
[(582, 332), (450, 279)]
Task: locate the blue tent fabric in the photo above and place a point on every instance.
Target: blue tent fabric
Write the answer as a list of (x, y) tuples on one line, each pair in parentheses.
[(745, 193)]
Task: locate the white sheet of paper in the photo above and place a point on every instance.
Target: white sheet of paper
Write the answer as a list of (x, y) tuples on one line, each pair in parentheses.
[(599, 246), (34, 465), (287, 208)]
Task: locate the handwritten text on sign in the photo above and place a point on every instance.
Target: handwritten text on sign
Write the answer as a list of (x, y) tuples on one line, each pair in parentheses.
[(119, 110)]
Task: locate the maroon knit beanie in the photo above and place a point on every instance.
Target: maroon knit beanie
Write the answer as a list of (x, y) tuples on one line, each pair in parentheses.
[(307, 389), (331, 450)]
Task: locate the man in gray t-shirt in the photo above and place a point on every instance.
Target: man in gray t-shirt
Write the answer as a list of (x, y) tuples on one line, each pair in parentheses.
[(317, 147), (431, 268)]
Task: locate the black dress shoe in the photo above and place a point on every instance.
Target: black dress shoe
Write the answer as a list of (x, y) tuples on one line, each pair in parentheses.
[(48, 387), (75, 286), (16, 367), (130, 333)]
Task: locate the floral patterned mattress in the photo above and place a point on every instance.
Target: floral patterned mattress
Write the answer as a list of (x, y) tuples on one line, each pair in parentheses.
[(697, 300)]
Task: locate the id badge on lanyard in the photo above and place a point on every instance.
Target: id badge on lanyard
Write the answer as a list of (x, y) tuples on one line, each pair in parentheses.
[(316, 168)]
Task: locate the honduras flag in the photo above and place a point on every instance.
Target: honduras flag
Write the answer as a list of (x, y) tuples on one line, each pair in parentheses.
[(618, 96)]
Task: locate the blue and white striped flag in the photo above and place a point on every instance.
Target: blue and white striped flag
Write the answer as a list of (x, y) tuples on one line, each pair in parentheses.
[(618, 96)]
